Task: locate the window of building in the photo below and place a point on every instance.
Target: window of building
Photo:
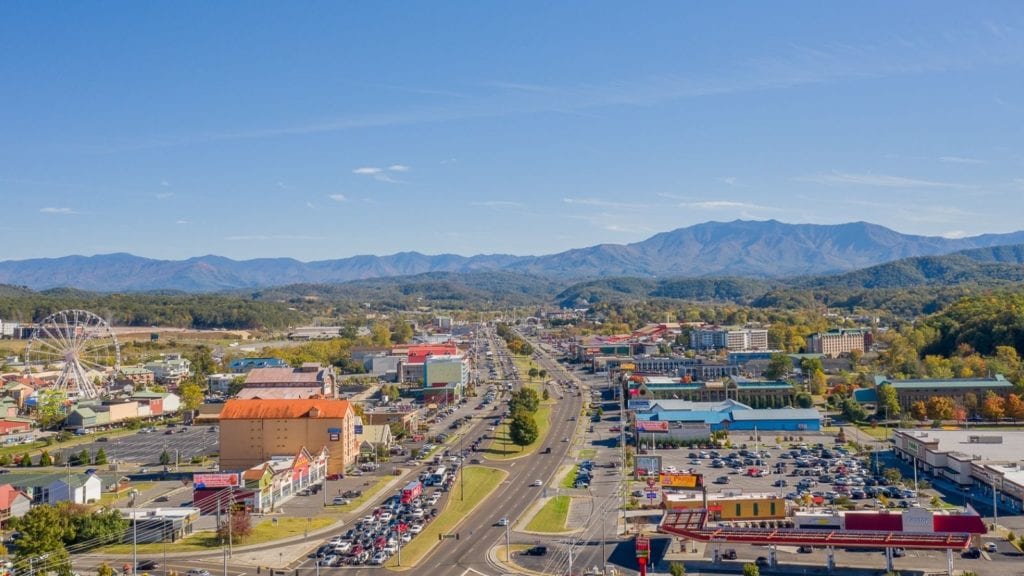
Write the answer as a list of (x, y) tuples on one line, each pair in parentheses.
[(756, 511), (771, 507), (739, 511)]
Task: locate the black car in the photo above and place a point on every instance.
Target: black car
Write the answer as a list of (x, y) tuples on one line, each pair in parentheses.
[(761, 561), (352, 493), (148, 565), (805, 550), (536, 551), (729, 554), (972, 553)]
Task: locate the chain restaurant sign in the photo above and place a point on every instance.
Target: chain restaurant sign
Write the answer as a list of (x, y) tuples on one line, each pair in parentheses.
[(677, 480), (201, 481)]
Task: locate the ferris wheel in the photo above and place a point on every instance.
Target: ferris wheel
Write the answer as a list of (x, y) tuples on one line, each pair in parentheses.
[(81, 344)]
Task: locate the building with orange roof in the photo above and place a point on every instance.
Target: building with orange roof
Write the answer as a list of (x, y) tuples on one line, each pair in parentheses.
[(256, 431)]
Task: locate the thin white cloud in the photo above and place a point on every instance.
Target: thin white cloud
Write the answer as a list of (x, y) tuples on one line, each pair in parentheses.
[(367, 170), (960, 160), (722, 205), (165, 183), (182, 222), (164, 195), (338, 197), (379, 174), (954, 234), (728, 180), (310, 205), (604, 203), (54, 210), (835, 178), (497, 204), (261, 237), (617, 228)]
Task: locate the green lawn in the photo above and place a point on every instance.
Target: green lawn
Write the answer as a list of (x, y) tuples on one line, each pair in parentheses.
[(588, 453), (570, 478), (480, 481), (108, 498), (502, 448), (877, 433), (266, 531), (551, 517)]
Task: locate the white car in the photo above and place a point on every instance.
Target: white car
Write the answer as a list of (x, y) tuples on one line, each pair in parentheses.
[(416, 528), (198, 572), (503, 521), (537, 483), (379, 558), (990, 547)]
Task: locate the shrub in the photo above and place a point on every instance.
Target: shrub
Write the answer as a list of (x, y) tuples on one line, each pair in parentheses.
[(751, 569)]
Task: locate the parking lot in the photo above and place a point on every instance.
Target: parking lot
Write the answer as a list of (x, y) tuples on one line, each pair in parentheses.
[(808, 469), (144, 447)]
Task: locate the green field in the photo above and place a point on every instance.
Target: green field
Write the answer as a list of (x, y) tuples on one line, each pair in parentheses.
[(265, 531), (551, 517), (480, 481), (588, 453), (502, 448)]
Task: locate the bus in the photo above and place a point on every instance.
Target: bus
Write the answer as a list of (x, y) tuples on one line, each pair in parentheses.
[(438, 477)]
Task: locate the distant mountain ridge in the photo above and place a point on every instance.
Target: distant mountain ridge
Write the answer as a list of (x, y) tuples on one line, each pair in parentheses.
[(748, 249)]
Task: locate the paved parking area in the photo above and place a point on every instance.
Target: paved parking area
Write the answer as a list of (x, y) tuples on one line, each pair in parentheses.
[(144, 449)]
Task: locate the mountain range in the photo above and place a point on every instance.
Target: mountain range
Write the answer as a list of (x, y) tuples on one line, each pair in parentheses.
[(746, 249)]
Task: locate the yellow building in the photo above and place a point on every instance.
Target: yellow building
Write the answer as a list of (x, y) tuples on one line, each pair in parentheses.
[(255, 431), (729, 506)]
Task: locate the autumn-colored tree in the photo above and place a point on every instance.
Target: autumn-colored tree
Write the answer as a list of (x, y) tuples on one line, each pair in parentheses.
[(1014, 407), (994, 407), (971, 403), (940, 408), (919, 411), (960, 414)]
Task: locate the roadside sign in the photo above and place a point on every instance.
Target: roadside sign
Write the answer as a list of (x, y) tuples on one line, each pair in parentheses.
[(652, 482), (652, 495)]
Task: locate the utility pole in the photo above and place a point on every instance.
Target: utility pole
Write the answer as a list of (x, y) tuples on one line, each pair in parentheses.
[(508, 543), (226, 561), (604, 551), (135, 533), (231, 516)]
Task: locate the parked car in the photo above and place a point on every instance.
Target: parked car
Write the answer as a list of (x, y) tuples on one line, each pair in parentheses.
[(729, 554), (971, 553), (991, 547), (536, 551)]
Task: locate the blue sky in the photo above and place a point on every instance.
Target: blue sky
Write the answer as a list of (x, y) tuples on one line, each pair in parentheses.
[(325, 130)]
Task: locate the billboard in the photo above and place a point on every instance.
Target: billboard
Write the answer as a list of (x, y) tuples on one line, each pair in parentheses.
[(200, 481), (639, 405), (652, 427), (647, 465), (681, 480)]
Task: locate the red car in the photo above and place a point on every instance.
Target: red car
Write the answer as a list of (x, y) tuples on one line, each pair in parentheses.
[(615, 429)]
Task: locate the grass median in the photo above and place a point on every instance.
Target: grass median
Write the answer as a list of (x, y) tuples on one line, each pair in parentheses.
[(480, 481), (569, 480), (502, 448), (551, 518)]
